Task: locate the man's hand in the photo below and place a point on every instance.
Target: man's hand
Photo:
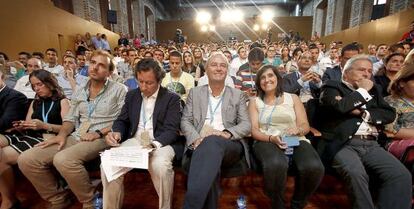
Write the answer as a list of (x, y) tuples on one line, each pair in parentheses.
[(90, 136), (113, 138), (197, 142), (316, 78), (308, 76), (366, 84), (60, 140), (356, 112), (69, 73)]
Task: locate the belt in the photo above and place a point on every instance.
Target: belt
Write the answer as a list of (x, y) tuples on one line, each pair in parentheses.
[(364, 137)]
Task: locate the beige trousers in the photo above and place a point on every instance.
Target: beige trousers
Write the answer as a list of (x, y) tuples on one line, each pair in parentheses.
[(37, 165), (162, 175)]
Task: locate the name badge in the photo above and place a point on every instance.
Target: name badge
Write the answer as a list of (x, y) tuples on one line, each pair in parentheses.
[(145, 139)]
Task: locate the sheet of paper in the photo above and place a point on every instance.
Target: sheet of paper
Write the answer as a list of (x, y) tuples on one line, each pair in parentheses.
[(119, 160)]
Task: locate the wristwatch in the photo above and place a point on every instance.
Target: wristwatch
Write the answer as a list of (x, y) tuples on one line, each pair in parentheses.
[(101, 135)]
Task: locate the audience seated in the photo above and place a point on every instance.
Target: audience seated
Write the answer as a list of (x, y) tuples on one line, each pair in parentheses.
[(43, 120), (354, 114), (97, 102), (275, 114), (94, 106)]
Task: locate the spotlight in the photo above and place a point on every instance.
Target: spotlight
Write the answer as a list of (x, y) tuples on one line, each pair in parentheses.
[(203, 17), (212, 28), (256, 27), (267, 15), (204, 28), (237, 15), (264, 26), (229, 16)]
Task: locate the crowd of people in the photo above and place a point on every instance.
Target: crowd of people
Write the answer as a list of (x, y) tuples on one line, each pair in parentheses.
[(216, 108)]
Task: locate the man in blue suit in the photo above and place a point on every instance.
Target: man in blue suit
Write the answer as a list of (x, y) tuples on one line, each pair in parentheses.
[(151, 115), (335, 73)]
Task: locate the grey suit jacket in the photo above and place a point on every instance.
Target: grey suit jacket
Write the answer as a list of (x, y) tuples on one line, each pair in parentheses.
[(233, 109)]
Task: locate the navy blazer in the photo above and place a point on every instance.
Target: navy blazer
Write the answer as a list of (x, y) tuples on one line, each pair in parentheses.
[(334, 74), (291, 85), (165, 121), (13, 106)]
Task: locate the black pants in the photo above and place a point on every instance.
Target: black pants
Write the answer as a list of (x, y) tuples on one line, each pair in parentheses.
[(203, 184), (306, 164), (359, 159)]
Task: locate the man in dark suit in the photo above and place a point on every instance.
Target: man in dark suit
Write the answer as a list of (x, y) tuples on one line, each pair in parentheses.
[(335, 73), (305, 83), (151, 116), (215, 120), (354, 113), (11, 104)]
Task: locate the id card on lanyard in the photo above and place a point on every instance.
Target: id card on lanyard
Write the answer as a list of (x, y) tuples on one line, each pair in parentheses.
[(91, 105)]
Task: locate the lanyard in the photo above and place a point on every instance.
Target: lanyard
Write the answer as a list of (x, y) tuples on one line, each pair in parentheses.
[(92, 105), (215, 109), (44, 116), (251, 79), (176, 84), (144, 117), (408, 102), (269, 118)]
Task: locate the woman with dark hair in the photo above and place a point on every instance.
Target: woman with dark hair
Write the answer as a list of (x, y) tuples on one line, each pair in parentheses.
[(279, 126), (285, 57), (43, 120), (402, 99), (292, 65), (189, 65), (392, 64)]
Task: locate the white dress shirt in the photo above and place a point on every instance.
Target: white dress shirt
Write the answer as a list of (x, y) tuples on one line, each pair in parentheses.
[(24, 86), (217, 123), (148, 103)]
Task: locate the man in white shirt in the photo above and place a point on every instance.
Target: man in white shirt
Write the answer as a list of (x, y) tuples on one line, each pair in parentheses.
[(353, 114), (238, 61), (150, 117), (23, 84), (52, 62), (70, 79)]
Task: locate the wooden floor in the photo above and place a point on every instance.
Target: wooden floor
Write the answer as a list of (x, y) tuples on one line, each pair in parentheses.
[(140, 193)]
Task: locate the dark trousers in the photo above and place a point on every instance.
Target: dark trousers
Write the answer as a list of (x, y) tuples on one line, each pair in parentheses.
[(306, 164), (359, 159), (203, 184)]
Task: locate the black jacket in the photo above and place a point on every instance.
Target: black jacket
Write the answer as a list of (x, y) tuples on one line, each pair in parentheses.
[(338, 125), (13, 106), (291, 85)]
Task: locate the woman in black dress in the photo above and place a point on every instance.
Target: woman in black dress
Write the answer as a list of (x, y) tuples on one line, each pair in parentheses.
[(43, 119)]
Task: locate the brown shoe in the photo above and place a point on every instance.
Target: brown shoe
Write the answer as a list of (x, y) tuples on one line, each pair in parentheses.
[(61, 205)]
